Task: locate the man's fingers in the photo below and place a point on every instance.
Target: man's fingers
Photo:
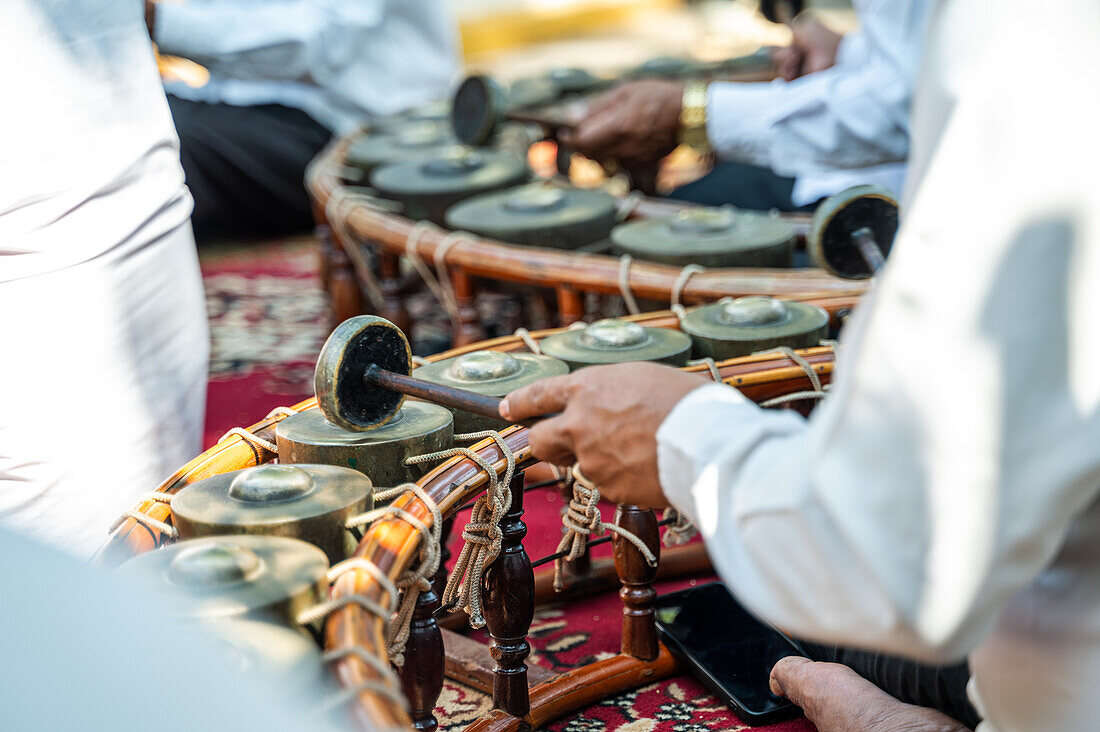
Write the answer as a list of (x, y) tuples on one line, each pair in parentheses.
[(552, 442), (788, 677), (596, 132), (546, 396)]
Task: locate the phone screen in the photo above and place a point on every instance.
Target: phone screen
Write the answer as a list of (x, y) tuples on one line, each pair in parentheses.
[(727, 648)]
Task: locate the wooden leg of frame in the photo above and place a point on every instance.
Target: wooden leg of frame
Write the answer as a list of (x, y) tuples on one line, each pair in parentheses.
[(468, 329), (343, 285), (509, 595), (570, 305), (422, 674), (389, 276), (639, 638)]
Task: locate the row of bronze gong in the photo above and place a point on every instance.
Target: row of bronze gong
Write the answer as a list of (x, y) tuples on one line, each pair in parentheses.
[(255, 547)]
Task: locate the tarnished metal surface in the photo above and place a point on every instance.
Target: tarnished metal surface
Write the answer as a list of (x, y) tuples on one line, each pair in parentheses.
[(538, 215), (220, 577), (428, 187), (618, 341), (307, 502), (489, 372), (711, 237), (399, 143), (739, 327), (417, 428)]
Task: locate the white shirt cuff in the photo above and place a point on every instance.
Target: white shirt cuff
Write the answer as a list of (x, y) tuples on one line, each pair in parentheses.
[(701, 418), (740, 117)]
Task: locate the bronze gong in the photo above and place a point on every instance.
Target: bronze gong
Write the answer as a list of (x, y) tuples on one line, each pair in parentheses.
[(746, 325), (417, 428), (618, 341), (426, 188), (489, 372), (711, 237), (307, 502), (220, 577), (537, 215)]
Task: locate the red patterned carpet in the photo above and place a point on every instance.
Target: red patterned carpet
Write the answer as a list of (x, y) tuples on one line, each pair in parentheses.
[(268, 319)]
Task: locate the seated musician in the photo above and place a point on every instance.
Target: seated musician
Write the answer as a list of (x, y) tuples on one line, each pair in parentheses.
[(837, 117), (284, 77), (943, 501)]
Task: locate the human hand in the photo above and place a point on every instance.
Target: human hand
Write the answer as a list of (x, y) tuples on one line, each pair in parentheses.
[(636, 122), (813, 48), (608, 424)]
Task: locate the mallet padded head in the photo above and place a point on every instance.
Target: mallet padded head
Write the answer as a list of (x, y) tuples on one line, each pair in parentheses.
[(476, 109), (830, 240), (353, 347)]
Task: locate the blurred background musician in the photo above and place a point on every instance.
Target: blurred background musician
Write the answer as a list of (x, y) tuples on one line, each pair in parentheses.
[(838, 115), (104, 353), (285, 75)]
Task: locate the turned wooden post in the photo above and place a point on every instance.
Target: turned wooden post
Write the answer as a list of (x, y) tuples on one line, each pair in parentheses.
[(509, 602), (468, 329), (324, 255), (422, 674), (342, 284), (389, 281), (570, 305), (639, 638)]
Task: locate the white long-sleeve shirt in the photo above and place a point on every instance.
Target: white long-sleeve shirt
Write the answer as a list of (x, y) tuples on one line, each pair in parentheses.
[(338, 61), (943, 501), (843, 126)]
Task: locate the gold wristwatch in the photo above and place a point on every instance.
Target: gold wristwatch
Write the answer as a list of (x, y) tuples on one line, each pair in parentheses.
[(693, 116)]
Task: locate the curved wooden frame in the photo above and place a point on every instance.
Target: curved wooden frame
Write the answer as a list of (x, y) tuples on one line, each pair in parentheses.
[(570, 274)]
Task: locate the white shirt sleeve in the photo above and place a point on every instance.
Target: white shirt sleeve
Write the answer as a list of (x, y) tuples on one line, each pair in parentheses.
[(941, 476), (280, 39), (853, 115)]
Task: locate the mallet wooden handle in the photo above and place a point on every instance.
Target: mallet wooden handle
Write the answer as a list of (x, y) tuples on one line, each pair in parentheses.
[(447, 396)]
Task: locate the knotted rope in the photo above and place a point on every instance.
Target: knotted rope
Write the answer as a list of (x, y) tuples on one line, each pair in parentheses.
[(528, 340), (341, 199), (252, 439), (624, 285), (629, 205), (582, 520), (678, 289), (679, 531), (413, 580), (817, 391), (482, 534), (145, 519), (712, 367)]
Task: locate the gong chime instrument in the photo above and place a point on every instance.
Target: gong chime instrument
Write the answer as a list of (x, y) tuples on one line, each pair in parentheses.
[(236, 576)]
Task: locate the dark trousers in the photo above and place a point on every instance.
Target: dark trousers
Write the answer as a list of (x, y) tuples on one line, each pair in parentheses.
[(744, 186), (245, 166), (938, 687)]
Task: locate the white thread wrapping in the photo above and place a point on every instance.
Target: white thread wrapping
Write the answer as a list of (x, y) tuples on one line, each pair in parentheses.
[(528, 340), (624, 285)]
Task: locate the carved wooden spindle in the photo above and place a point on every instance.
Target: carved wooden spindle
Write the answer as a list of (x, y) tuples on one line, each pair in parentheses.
[(422, 674), (324, 255), (639, 637), (468, 329), (389, 281), (570, 305), (345, 293), (509, 600)]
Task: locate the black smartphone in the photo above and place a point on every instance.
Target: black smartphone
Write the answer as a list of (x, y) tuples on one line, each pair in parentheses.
[(727, 649)]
